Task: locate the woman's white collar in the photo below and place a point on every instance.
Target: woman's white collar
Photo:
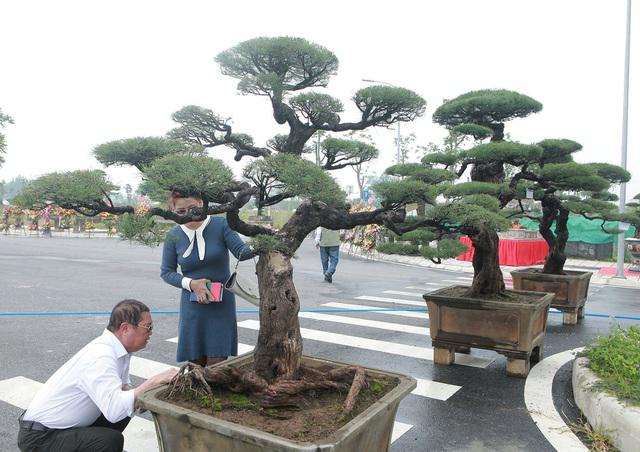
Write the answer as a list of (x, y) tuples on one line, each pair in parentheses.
[(197, 235)]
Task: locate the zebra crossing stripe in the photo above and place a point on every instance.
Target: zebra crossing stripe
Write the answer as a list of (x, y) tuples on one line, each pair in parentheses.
[(412, 314), (140, 434), (146, 368), (242, 348), (423, 331), (391, 300), (410, 351), (399, 429), (406, 294)]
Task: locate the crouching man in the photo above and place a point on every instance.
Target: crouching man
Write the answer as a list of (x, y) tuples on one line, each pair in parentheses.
[(88, 402)]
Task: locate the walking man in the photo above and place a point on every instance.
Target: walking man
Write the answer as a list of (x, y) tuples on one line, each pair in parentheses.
[(88, 402), (328, 242)]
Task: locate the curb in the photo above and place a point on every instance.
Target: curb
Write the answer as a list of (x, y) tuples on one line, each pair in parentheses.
[(605, 412)]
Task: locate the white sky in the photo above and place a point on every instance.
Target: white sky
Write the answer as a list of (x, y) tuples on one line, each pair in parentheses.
[(75, 74)]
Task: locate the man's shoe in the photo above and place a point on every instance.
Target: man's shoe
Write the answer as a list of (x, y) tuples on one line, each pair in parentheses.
[(327, 277)]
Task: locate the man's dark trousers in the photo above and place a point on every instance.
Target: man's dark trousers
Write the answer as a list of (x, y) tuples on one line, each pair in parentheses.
[(101, 436)]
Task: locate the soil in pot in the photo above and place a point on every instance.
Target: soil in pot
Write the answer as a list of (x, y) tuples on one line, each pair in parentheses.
[(508, 296), (320, 415)]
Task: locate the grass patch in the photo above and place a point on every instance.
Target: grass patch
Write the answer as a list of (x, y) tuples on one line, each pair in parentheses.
[(596, 440), (616, 360)]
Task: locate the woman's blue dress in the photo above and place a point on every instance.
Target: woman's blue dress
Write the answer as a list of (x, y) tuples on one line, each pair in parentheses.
[(204, 329)]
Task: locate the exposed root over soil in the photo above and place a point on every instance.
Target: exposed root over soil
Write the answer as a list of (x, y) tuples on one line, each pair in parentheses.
[(279, 393)]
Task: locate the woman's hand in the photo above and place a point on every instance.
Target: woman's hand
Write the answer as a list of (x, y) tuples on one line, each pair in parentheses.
[(199, 287)]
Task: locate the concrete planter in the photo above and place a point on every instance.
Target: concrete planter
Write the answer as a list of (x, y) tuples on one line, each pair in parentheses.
[(603, 411), (180, 429), (570, 290), (513, 329)]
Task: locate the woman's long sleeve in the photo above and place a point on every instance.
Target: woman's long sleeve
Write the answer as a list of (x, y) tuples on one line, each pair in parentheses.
[(234, 243), (170, 263)]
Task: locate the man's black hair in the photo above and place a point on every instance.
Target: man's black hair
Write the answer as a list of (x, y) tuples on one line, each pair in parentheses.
[(127, 311)]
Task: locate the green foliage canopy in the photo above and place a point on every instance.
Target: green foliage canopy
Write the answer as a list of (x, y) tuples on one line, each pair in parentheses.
[(87, 189), (485, 107), (138, 152), (267, 65)]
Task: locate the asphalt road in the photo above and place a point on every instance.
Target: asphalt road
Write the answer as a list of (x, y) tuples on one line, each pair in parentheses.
[(72, 281)]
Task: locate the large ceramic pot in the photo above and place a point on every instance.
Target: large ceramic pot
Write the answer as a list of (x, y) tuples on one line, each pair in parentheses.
[(180, 429), (570, 290), (512, 328)]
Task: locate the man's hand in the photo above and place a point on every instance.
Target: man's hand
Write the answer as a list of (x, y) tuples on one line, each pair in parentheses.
[(317, 246), (164, 377), (199, 287), (156, 380)]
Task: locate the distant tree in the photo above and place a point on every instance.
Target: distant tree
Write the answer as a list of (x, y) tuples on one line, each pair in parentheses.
[(14, 186), (277, 69), (4, 120)]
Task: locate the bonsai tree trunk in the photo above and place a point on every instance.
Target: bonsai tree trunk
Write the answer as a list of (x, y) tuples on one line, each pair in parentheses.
[(278, 350), (487, 276), (552, 210)]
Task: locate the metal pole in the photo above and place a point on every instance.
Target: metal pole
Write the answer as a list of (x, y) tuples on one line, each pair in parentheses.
[(625, 115)]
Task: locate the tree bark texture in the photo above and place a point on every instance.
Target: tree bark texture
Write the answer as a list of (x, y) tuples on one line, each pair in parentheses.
[(552, 210), (487, 276), (278, 351)]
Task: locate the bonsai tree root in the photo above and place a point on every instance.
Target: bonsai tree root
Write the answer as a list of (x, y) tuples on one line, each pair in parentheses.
[(193, 378)]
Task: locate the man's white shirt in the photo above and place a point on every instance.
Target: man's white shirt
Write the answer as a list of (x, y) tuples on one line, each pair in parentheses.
[(89, 384)]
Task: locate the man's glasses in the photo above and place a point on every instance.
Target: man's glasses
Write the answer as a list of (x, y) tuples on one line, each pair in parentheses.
[(148, 327), (185, 210)]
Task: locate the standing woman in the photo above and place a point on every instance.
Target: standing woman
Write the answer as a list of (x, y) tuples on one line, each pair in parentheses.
[(207, 331)]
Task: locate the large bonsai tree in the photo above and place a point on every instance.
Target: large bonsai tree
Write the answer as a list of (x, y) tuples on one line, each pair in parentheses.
[(564, 187), (481, 115), (283, 70)]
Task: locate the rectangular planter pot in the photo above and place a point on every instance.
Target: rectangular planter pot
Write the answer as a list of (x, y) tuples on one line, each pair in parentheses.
[(513, 329), (180, 429), (570, 290)]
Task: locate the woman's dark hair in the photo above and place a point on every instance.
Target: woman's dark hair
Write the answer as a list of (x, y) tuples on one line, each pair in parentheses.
[(127, 311)]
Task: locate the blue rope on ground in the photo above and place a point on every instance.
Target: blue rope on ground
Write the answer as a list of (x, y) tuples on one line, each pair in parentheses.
[(255, 311)]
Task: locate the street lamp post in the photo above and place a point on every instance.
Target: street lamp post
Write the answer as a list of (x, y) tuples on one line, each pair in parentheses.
[(398, 152), (625, 120)]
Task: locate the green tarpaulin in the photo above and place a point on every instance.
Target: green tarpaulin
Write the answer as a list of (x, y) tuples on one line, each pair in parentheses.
[(583, 230)]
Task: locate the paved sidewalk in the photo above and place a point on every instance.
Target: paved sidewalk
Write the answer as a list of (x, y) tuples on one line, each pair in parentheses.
[(603, 271)]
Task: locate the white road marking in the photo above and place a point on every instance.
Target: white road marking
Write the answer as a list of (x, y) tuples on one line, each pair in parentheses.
[(406, 294), (242, 348), (410, 351), (392, 300), (140, 434), (423, 331), (538, 397), (426, 288), (399, 429), (146, 368), (434, 389), (413, 314)]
